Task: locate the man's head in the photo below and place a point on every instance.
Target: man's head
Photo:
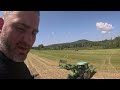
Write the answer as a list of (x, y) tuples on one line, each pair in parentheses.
[(18, 33)]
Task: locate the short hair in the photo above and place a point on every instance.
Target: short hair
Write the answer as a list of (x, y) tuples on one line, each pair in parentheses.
[(6, 13)]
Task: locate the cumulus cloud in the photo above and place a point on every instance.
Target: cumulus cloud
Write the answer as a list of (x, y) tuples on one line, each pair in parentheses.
[(104, 27)]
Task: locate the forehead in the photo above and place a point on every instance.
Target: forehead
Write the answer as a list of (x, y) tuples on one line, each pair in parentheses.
[(25, 14), (11, 12), (31, 18)]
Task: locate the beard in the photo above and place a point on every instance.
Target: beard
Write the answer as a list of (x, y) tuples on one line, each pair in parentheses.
[(10, 50)]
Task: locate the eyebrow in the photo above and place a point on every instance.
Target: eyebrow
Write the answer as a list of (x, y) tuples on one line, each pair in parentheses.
[(27, 26)]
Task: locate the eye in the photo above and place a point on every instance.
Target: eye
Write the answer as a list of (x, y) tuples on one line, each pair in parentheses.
[(20, 29), (34, 33)]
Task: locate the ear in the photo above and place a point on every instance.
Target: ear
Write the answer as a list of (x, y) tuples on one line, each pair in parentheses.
[(1, 23)]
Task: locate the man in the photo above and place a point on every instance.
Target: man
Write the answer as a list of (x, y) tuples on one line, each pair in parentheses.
[(18, 31)]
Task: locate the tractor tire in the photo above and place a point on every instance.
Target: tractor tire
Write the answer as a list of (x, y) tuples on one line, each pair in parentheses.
[(87, 75)]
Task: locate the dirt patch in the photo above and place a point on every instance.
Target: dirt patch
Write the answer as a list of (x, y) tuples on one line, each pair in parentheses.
[(46, 69)]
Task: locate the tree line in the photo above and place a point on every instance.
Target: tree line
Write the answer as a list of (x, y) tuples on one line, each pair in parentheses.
[(82, 44)]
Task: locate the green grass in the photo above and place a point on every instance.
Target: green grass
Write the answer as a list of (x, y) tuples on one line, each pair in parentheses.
[(95, 57)]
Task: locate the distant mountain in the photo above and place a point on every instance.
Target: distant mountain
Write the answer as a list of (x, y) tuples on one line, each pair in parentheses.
[(81, 41), (75, 42)]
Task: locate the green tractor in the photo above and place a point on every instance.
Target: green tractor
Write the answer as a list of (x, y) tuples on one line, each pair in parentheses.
[(81, 70)]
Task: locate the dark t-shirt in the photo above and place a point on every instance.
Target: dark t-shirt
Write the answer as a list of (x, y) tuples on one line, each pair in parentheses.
[(13, 70)]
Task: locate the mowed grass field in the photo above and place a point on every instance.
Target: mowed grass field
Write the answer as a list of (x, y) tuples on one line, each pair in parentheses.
[(95, 57)]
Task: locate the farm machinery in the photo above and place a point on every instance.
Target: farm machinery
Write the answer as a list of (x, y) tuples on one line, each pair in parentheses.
[(81, 70)]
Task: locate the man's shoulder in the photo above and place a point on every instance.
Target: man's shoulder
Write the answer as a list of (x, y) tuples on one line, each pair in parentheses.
[(3, 67), (2, 63), (13, 70)]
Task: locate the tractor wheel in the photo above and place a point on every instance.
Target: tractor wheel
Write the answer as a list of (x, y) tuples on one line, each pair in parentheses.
[(87, 75)]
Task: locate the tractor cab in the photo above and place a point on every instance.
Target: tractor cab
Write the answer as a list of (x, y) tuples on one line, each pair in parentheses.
[(83, 65)]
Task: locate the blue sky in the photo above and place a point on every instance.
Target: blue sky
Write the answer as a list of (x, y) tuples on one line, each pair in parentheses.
[(68, 26)]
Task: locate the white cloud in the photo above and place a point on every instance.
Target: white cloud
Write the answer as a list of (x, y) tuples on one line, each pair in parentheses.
[(103, 32), (53, 33), (104, 27)]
